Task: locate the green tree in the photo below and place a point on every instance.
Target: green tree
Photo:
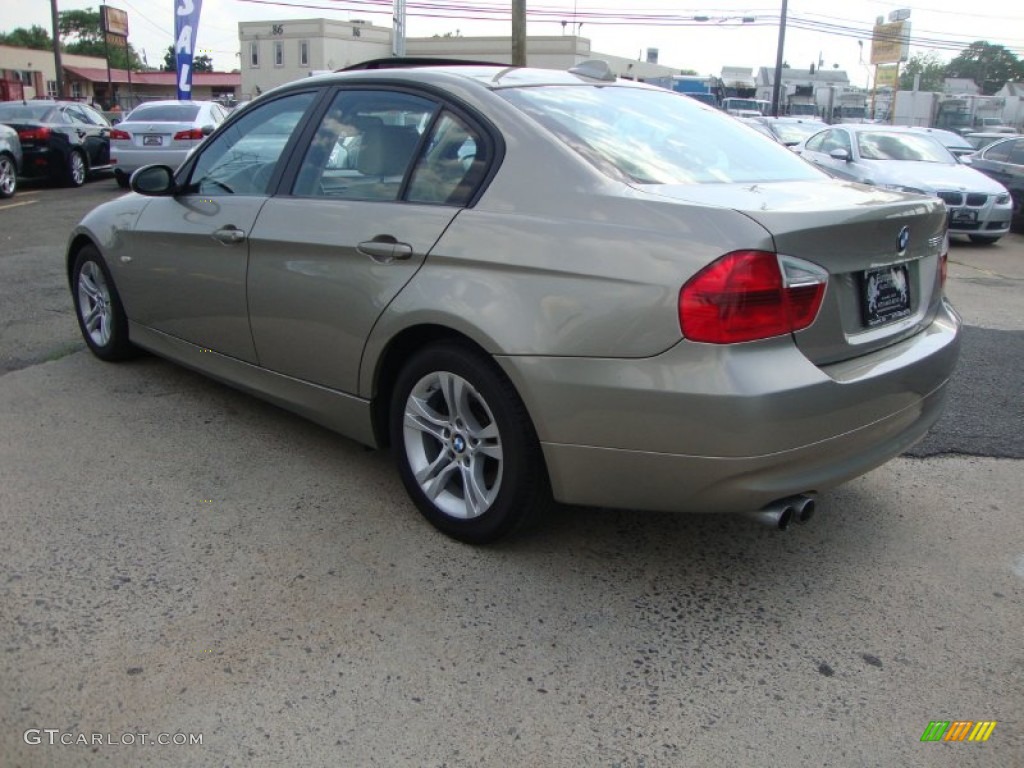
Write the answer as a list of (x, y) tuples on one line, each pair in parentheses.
[(990, 66), (81, 33), (34, 37), (688, 72), (199, 63), (929, 66)]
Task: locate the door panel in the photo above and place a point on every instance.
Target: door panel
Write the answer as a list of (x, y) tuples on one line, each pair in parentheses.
[(321, 273), (186, 282)]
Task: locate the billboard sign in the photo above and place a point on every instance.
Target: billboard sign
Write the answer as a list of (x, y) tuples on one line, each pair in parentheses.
[(886, 76), (890, 43), (186, 25), (113, 21)]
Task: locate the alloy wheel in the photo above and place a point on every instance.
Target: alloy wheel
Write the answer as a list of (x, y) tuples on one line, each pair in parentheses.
[(94, 303), (453, 445)]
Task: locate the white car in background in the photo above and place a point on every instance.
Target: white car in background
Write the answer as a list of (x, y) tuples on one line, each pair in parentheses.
[(161, 132), (907, 160)]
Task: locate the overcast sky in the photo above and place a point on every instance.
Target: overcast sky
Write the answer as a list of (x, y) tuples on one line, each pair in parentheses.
[(826, 29)]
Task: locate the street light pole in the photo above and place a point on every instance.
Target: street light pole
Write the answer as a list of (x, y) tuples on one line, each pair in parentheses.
[(776, 88), (58, 64)]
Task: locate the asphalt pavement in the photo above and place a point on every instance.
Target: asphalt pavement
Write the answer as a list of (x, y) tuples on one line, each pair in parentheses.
[(181, 563)]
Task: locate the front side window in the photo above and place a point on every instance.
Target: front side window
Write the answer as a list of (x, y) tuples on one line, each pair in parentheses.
[(364, 146), (654, 137), (242, 160), (837, 139), (1000, 153)]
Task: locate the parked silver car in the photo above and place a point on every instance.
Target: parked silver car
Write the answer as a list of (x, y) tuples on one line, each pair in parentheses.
[(161, 132), (532, 283), (10, 161), (905, 159)]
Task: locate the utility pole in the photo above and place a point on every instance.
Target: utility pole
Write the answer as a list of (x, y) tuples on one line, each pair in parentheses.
[(778, 62), (57, 63), (518, 33), (398, 29)]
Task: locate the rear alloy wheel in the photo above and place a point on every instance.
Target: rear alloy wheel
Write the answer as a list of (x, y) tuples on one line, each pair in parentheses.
[(8, 176), (465, 447), (98, 307), (76, 169), (983, 239)]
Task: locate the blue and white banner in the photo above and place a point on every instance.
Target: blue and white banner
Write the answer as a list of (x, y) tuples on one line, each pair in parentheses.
[(186, 25)]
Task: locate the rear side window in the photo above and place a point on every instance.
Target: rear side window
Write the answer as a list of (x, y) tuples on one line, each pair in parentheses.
[(454, 164), (656, 136), (1017, 155), (365, 146), (166, 113)]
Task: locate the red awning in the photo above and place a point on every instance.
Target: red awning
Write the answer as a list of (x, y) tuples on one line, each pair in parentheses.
[(208, 79)]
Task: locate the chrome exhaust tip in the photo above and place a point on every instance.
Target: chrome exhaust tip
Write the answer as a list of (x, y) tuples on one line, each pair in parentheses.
[(804, 510), (776, 515)]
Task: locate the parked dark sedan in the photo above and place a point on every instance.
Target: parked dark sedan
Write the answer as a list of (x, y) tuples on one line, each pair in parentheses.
[(1004, 162), (10, 161), (62, 141)]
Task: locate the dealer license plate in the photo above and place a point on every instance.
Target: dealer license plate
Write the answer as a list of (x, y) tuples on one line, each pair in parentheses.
[(885, 295), (961, 216)]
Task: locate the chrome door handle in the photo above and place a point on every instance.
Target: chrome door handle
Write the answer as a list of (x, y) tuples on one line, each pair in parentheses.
[(229, 235), (384, 249)]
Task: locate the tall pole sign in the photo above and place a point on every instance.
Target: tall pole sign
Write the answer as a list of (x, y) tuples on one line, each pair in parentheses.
[(186, 25)]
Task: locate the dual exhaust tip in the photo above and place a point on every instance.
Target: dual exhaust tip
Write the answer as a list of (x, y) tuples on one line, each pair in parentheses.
[(780, 514)]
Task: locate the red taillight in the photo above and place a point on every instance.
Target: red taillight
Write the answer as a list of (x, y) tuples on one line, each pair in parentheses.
[(748, 295), (34, 134), (193, 134), (116, 135)]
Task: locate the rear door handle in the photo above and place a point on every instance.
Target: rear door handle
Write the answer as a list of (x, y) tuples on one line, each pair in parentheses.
[(229, 235), (384, 249)]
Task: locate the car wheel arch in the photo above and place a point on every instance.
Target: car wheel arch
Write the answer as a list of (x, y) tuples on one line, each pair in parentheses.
[(78, 242), (392, 359)]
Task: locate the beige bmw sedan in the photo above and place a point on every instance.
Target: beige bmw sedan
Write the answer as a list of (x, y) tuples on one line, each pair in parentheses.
[(536, 285)]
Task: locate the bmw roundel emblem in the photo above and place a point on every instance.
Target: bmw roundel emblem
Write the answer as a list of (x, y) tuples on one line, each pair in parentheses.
[(903, 240)]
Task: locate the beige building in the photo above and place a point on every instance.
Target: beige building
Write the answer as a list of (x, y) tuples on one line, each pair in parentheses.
[(37, 74), (86, 78), (277, 52)]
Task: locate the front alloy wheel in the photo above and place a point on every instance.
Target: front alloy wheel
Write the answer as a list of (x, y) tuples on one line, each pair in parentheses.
[(101, 316), (8, 176), (465, 446)]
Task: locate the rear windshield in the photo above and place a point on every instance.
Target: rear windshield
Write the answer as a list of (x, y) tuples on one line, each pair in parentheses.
[(39, 112), (165, 113), (657, 137)]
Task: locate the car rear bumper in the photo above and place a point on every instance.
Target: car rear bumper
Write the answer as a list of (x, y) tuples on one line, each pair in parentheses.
[(129, 161), (729, 429)]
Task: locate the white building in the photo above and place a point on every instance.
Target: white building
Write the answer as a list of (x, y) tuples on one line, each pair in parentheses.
[(277, 52)]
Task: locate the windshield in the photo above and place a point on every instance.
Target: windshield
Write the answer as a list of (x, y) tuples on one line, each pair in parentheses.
[(794, 133), (40, 112), (750, 104), (878, 145), (657, 137), (165, 113)]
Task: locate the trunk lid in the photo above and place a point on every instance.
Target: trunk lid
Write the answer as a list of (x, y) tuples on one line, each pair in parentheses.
[(881, 249)]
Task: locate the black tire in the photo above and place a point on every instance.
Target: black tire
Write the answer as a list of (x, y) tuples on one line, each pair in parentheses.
[(8, 176), (98, 307), (76, 169), (122, 179), (487, 437), (984, 239)]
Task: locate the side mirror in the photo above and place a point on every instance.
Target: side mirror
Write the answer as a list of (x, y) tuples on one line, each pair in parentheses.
[(840, 154), (153, 180), (208, 129)]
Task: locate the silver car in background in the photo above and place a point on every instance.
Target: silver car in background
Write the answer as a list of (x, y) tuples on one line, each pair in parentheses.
[(161, 132), (10, 161), (906, 159), (534, 284)]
